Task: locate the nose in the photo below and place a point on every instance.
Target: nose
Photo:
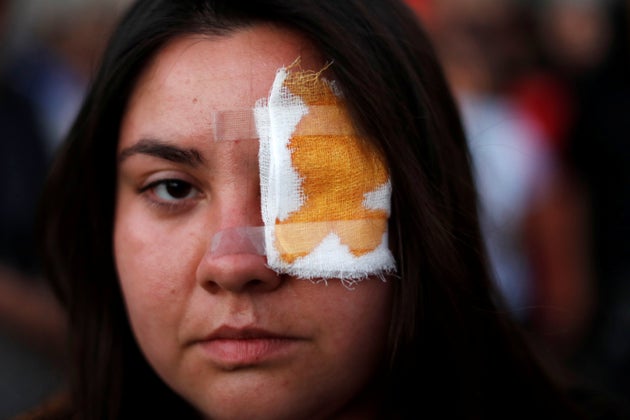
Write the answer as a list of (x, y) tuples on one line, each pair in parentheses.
[(234, 259), (237, 273)]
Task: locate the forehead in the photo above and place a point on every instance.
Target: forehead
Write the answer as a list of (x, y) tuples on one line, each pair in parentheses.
[(196, 75)]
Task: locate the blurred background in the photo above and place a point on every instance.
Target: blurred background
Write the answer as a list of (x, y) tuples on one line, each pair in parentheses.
[(48, 52), (544, 91)]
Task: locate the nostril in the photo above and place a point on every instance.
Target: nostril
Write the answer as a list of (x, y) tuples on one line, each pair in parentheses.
[(212, 287), (252, 285), (255, 283)]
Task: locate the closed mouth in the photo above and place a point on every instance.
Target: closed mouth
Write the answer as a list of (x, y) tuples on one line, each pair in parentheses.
[(232, 348)]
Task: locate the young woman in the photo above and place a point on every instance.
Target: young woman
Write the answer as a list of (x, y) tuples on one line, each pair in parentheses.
[(201, 283)]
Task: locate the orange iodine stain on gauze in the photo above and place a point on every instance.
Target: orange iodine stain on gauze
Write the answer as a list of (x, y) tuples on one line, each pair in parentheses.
[(336, 169), (325, 190)]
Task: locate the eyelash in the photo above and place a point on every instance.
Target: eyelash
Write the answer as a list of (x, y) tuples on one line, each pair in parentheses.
[(174, 204)]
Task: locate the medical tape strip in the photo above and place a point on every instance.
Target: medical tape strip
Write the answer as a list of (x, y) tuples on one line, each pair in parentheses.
[(324, 251), (251, 240), (292, 238), (238, 240), (232, 125)]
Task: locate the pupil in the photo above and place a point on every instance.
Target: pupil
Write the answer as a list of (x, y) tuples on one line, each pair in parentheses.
[(177, 189)]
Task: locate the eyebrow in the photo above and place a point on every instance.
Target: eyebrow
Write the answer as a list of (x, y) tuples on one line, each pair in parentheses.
[(162, 150)]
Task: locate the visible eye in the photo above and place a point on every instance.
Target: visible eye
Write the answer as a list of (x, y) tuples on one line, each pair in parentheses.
[(170, 192), (173, 189)]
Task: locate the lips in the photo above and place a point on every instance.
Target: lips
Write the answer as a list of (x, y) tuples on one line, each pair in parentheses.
[(232, 348)]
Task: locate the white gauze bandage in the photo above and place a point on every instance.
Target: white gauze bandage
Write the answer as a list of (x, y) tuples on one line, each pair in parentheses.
[(325, 190)]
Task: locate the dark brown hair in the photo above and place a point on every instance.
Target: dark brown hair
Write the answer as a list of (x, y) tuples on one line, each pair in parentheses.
[(451, 349)]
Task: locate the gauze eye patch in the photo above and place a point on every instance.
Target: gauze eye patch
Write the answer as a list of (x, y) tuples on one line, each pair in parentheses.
[(325, 191)]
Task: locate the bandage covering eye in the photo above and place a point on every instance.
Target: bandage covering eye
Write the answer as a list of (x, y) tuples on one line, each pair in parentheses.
[(325, 190)]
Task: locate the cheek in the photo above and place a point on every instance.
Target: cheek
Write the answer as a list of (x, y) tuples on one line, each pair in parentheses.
[(156, 273), (353, 330), (144, 264), (356, 323), (370, 322)]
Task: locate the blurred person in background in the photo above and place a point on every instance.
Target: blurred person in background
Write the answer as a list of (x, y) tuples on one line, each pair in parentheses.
[(588, 44), (31, 323), (530, 206), (543, 89), (55, 46), (45, 64)]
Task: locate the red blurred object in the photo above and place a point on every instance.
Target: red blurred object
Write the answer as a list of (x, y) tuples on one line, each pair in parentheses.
[(423, 8), (549, 101)]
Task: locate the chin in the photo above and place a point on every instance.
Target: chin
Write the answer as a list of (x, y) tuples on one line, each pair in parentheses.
[(249, 398)]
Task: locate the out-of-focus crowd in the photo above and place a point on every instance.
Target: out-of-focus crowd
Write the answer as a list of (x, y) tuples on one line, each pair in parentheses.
[(544, 92), (48, 50)]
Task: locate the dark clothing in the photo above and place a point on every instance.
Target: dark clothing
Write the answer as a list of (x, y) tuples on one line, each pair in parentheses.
[(600, 151), (26, 376), (22, 171)]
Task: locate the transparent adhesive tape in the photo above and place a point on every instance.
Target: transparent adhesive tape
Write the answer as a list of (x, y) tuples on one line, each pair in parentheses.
[(238, 240), (234, 125), (331, 248), (231, 125)]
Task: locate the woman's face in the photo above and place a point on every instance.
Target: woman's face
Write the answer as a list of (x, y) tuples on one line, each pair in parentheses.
[(231, 336)]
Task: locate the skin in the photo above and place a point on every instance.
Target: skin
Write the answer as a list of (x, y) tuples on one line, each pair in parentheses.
[(232, 337)]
